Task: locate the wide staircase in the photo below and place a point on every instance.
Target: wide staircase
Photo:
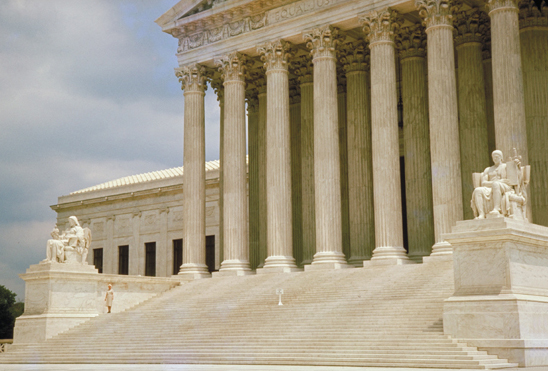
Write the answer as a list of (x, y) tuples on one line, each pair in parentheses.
[(379, 316)]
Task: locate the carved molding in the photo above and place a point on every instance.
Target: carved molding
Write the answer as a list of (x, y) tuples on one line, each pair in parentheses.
[(232, 66), (223, 32), (533, 15), (381, 25), (411, 42), (192, 78), (435, 12), (275, 54), (322, 41), (303, 68), (354, 56), (468, 27), (502, 5)]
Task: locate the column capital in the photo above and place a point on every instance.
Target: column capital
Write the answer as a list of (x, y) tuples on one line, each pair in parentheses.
[(502, 5), (232, 66), (435, 12), (411, 42), (322, 41), (380, 25), (468, 27), (294, 91), (275, 54), (533, 15), (192, 78), (259, 79), (217, 85), (252, 97), (355, 56), (303, 68), (485, 29)]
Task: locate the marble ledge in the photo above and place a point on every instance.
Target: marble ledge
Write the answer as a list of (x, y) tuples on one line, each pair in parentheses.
[(496, 229), (502, 297)]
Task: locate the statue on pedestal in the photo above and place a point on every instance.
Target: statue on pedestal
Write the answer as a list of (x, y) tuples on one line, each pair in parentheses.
[(71, 246), (500, 191)]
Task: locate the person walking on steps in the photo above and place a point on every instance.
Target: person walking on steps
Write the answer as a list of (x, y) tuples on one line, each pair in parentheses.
[(109, 297)]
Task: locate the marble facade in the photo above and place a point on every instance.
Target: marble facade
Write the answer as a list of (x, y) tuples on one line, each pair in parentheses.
[(365, 121)]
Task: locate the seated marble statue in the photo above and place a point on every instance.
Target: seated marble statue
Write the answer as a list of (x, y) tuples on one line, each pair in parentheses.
[(71, 246), (500, 191)]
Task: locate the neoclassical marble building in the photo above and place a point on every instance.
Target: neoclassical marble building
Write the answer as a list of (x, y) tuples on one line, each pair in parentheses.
[(365, 122)]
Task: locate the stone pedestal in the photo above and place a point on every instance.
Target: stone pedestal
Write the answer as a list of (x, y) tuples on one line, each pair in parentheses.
[(500, 303), (58, 296)]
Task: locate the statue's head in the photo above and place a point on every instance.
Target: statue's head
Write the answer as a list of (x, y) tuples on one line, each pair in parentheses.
[(73, 221), (497, 154)]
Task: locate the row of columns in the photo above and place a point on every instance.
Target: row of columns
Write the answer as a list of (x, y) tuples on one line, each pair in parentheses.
[(433, 176)]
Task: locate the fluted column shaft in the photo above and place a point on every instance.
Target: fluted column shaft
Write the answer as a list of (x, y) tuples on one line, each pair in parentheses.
[(329, 251), (217, 85), (236, 251), (360, 172), (474, 150), (508, 99), (343, 160), (193, 80), (379, 26), (534, 52), (444, 122), (307, 168), (278, 157), (416, 142), (262, 174), (296, 186), (253, 176)]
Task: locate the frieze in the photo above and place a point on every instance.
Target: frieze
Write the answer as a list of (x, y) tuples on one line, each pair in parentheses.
[(297, 9), (250, 23)]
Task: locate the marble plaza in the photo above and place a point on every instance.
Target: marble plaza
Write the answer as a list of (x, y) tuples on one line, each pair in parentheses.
[(404, 139)]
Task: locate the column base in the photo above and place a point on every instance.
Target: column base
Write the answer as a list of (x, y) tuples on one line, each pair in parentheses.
[(328, 260), (194, 269), (389, 255), (233, 273), (190, 276), (441, 251), (417, 257), (280, 261), (267, 270)]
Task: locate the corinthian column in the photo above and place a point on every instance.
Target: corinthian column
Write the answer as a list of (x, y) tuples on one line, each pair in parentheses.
[(304, 69), (253, 174), (217, 85), (379, 26), (533, 24), (444, 120), (261, 86), (474, 149), (235, 227), (296, 188), (508, 99), (360, 172), (416, 142), (278, 158), (329, 251), (193, 82)]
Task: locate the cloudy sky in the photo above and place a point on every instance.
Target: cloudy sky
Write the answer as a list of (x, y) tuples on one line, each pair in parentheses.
[(87, 95)]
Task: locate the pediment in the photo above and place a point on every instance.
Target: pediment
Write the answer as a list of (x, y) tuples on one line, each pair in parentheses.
[(184, 8)]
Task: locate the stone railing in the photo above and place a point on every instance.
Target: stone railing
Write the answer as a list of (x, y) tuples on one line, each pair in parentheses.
[(5, 344)]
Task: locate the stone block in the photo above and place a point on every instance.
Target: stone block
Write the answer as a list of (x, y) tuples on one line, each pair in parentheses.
[(500, 303)]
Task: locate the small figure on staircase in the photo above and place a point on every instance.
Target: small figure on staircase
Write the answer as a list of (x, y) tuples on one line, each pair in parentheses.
[(109, 297), (500, 191)]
